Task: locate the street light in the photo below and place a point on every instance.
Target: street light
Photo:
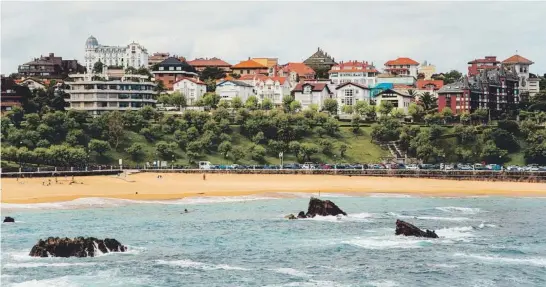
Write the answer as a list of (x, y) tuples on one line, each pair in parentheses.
[(172, 162)]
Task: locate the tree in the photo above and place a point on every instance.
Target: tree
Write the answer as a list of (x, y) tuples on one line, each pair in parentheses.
[(398, 113), (307, 150), (224, 148), (286, 101), (236, 102), (258, 138), (492, 154), (355, 123), (347, 109), (267, 104), (98, 146), (257, 153), (330, 105), (116, 132), (360, 107), (416, 112), (295, 106), (165, 150), (447, 114), (385, 107), (252, 103), (160, 87), (428, 101), (326, 146), (386, 130), (135, 151), (452, 77), (164, 99), (465, 118), (211, 100), (294, 147), (237, 153), (178, 100), (412, 93), (213, 73), (98, 67), (342, 149), (223, 104), (480, 115)]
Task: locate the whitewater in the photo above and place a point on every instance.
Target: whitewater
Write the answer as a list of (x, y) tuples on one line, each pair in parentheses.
[(246, 241)]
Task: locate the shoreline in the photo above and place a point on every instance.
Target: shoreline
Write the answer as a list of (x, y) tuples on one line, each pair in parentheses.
[(173, 186)]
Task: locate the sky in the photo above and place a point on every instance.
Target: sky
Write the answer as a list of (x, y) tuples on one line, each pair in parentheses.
[(446, 34)]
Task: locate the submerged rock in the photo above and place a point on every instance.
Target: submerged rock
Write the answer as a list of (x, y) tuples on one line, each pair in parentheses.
[(290, 216), (323, 208), (77, 247), (301, 215), (9, 219), (407, 229)]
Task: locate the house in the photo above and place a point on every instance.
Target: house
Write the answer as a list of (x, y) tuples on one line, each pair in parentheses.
[(402, 66), (320, 62), (300, 69), (478, 65), (157, 58), (270, 63), (171, 70), (426, 70), (250, 67), (312, 94), (201, 63), (12, 94), (33, 84), (273, 88), (361, 73), (431, 86), (229, 89), (347, 94), (527, 83), (193, 89), (399, 99), (50, 67), (131, 55)]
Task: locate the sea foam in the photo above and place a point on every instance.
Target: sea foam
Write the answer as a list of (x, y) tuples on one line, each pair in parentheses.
[(291, 272), (455, 209), (46, 264), (440, 218), (536, 261), (185, 263)]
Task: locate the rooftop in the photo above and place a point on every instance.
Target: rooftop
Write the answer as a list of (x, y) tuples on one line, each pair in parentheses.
[(214, 62), (401, 61), (249, 64), (517, 59)]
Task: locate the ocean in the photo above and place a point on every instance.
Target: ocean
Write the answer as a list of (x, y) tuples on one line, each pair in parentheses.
[(245, 241)]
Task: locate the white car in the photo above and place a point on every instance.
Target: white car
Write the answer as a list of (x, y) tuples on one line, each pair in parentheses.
[(412, 166)]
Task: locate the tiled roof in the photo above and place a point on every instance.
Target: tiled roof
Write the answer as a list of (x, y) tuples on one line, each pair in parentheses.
[(262, 78), (353, 66), (249, 64), (401, 61), (194, 80), (487, 59), (299, 68), (237, 83), (212, 62), (316, 87), (352, 84), (421, 84), (517, 59)]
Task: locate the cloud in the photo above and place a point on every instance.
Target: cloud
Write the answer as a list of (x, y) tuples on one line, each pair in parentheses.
[(447, 34)]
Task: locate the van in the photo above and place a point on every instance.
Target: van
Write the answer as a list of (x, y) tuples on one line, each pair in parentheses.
[(205, 165)]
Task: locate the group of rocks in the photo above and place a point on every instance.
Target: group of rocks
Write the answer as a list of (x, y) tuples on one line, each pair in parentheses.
[(328, 208)]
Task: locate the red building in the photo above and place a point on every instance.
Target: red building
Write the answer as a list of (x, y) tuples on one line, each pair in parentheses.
[(478, 65), (201, 63), (172, 70)]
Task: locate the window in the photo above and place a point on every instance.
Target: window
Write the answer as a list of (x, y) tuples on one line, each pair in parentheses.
[(307, 90), (160, 68), (179, 68), (349, 97), (171, 68)]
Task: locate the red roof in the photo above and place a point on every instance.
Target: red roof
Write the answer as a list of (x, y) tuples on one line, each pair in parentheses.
[(193, 80), (353, 66), (249, 64), (315, 87), (517, 59), (422, 84), (299, 68), (212, 62), (487, 59), (401, 61), (262, 78)]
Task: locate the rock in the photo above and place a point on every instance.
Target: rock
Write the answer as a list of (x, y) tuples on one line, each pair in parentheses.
[(407, 229), (301, 215), (77, 247), (323, 208), (290, 216), (9, 219)]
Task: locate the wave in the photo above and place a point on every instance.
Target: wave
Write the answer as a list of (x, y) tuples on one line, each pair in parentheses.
[(455, 209), (46, 264), (57, 282), (382, 283), (392, 214), (393, 195), (89, 202), (361, 217), (311, 194), (310, 283), (184, 263), (537, 261), (291, 272), (388, 242)]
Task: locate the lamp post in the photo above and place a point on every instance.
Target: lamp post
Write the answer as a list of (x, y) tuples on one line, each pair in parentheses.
[(20, 160), (172, 162)]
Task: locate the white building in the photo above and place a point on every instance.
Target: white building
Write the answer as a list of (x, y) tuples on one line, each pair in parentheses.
[(97, 95), (402, 66), (312, 94), (229, 89), (399, 99), (274, 88), (349, 93), (132, 55), (193, 89), (356, 72), (33, 84), (527, 83)]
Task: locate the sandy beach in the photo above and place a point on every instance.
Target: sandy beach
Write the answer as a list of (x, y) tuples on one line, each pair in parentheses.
[(146, 186)]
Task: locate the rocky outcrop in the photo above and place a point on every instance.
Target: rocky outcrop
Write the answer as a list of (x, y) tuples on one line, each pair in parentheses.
[(290, 216), (302, 215), (9, 219), (407, 229), (323, 208), (77, 247)]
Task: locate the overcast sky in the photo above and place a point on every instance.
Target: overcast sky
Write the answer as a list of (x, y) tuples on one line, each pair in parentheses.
[(447, 34)]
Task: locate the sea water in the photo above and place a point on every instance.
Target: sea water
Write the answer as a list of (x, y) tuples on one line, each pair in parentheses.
[(245, 241)]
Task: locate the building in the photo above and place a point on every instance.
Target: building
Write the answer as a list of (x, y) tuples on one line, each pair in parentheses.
[(399, 99), (157, 58), (171, 70), (133, 55), (426, 71), (403, 67), (297, 70), (131, 92), (431, 86), (320, 62), (396, 79), (495, 90), (476, 66), (201, 63), (347, 94), (11, 95), (250, 67), (193, 89), (361, 73), (50, 67), (33, 84), (312, 94), (527, 84), (229, 89), (273, 88)]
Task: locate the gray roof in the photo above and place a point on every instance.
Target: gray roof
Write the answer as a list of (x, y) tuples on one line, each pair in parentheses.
[(456, 87), (237, 83)]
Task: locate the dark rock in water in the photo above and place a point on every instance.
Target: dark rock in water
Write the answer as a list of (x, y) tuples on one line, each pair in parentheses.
[(9, 219), (77, 247), (323, 208), (290, 216), (407, 229), (301, 215)]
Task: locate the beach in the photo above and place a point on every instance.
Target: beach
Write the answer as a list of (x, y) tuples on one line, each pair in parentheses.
[(147, 186)]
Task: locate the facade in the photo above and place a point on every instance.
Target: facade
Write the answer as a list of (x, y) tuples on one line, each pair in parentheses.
[(455, 96), (50, 67), (312, 94), (191, 88), (33, 84), (403, 67), (396, 79), (171, 70), (157, 58), (361, 73), (426, 70), (320, 60), (400, 100), (11, 94), (201, 63), (131, 92), (295, 70), (133, 55), (349, 93), (273, 88), (250, 67), (229, 89), (431, 86), (476, 66), (526, 83)]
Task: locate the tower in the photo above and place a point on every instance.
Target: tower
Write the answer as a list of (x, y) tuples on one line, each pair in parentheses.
[(91, 45)]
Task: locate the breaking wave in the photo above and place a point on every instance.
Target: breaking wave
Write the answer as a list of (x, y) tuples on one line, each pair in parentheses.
[(184, 263), (537, 261)]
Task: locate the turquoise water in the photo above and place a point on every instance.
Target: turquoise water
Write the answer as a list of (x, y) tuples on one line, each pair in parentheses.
[(485, 241)]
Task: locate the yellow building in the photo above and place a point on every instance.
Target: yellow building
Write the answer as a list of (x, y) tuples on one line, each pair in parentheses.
[(268, 62), (427, 69)]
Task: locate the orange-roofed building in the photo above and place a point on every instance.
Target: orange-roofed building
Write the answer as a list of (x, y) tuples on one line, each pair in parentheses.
[(402, 66), (361, 73), (528, 83), (302, 71), (201, 63), (249, 67)]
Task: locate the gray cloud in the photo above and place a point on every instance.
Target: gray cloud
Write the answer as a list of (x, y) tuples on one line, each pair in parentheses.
[(448, 34)]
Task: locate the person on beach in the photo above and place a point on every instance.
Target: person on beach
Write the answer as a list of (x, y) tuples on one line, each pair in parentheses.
[(204, 176)]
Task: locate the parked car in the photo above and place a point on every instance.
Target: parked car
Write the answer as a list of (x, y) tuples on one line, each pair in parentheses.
[(412, 167)]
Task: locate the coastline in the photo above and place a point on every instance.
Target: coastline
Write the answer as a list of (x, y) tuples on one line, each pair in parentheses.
[(146, 186)]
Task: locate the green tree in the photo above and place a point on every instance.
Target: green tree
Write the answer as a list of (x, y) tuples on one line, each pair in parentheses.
[(465, 118), (286, 101), (447, 114), (160, 87), (213, 73), (385, 107), (452, 77), (428, 101), (225, 148), (294, 147), (237, 153), (98, 67), (258, 138), (98, 146), (416, 112), (252, 103), (257, 153), (165, 150), (398, 113), (223, 104), (326, 146), (181, 138), (346, 109), (267, 104), (492, 154), (307, 150), (236, 102), (330, 105), (211, 100), (116, 131), (178, 100), (355, 123), (135, 150), (295, 106)]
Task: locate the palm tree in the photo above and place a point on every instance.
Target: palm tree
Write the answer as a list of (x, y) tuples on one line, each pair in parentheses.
[(428, 101), (413, 93)]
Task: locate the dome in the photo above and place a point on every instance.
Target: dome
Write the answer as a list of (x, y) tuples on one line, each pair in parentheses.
[(91, 42)]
